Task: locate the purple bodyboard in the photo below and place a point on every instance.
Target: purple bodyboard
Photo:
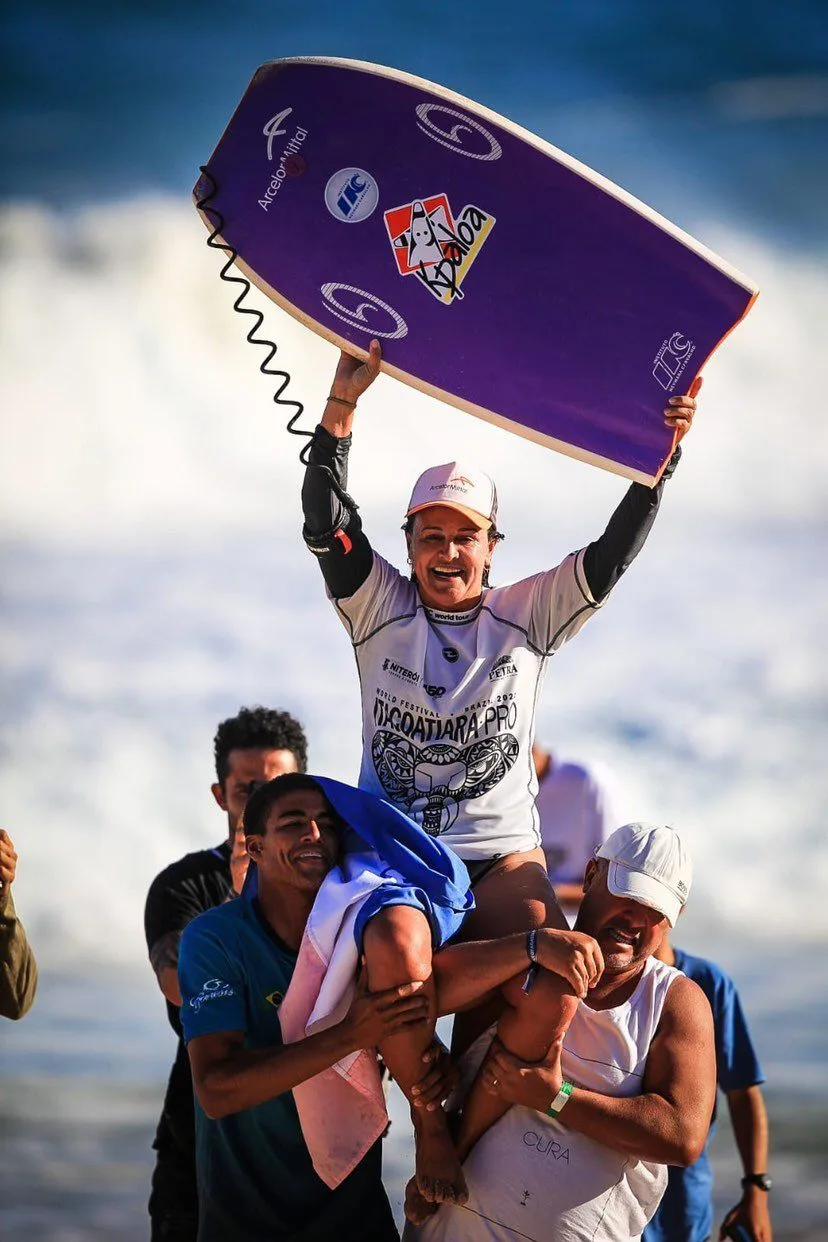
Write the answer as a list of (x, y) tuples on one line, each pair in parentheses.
[(500, 275)]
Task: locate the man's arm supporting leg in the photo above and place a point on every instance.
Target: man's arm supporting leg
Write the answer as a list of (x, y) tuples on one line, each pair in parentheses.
[(668, 1122)]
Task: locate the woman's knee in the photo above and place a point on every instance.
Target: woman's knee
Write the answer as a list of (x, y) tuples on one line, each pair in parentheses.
[(544, 1011), (397, 946)]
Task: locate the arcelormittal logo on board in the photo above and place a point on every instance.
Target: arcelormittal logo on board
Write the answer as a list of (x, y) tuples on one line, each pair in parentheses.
[(290, 163)]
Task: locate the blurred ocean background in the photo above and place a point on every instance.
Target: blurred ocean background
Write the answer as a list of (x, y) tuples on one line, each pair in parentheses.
[(152, 577)]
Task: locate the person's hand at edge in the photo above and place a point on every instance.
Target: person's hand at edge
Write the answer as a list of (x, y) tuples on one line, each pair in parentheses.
[(8, 861), (752, 1214), (679, 411), (353, 376)]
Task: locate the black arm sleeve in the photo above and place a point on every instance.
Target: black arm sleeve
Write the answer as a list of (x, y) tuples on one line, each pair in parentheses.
[(333, 528), (606, 558)]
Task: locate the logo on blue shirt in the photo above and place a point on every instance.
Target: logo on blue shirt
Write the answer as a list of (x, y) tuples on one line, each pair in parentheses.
[(213, 989)]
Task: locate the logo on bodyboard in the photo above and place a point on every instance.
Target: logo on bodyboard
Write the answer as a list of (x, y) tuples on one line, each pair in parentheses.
[(671, 360), (352, 306), (273, 129), (290, 162), (457, 131), (434, 246), (351, 195)]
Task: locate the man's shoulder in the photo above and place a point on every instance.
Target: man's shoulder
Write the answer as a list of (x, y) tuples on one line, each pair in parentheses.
[(218, 927), (710, 977), (199, 864), (686, 1003), (218, 920)]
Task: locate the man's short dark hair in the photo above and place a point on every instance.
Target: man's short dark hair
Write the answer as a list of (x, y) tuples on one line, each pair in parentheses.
[(259, 728), (261, 800)]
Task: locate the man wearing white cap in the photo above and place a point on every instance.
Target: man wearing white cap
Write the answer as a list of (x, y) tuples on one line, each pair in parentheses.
[(451, 669), (582, 1153)]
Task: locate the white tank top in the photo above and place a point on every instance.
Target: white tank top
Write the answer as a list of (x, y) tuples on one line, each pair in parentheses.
[(530, 1177)]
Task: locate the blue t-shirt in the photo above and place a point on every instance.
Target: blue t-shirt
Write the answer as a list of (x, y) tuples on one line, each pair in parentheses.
[(256, 1182), (685, 1214)]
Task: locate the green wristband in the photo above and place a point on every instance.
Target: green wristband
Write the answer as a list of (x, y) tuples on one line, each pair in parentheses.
[(557, 1105)]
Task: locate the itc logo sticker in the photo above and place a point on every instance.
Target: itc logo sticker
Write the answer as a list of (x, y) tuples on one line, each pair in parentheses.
[(351, 195), (671, 360), (434, 246)]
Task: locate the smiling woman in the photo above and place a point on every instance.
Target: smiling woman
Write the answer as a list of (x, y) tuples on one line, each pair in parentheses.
[(451, 669), (450, 556)]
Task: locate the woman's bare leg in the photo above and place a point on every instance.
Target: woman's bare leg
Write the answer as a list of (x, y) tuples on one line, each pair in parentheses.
[(515, 896), (397, 947), (528, 1027)]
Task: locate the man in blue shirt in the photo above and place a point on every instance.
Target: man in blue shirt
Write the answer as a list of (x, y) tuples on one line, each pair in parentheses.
[(686, 1211), (256, 1179)]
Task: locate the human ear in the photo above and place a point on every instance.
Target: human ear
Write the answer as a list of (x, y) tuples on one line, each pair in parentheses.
[(218, 793), (253, 845)]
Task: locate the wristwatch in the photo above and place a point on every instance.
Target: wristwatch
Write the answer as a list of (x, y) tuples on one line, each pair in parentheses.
[(757, 1179)]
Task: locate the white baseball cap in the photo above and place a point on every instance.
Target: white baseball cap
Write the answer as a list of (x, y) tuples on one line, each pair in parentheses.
[(459, 487), (648, 863)]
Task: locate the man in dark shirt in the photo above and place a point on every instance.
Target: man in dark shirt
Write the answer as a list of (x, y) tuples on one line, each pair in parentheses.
[(256, 745)]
